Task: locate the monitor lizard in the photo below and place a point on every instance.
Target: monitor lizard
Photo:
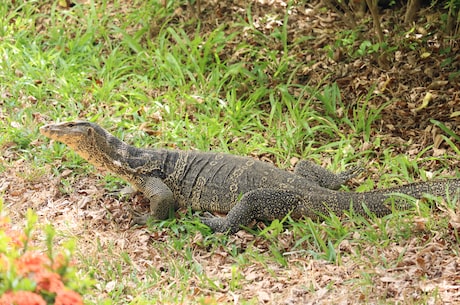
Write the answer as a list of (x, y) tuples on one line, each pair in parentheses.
[(242, 187)]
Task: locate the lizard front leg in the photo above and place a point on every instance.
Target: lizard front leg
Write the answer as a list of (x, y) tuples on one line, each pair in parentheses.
[(161, 200), (261, 204)]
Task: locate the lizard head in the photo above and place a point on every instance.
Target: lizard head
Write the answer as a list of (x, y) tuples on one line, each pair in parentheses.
[(85, 138), (69, 133)]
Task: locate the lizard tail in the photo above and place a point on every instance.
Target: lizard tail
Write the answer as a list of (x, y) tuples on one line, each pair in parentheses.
[(380, 202)]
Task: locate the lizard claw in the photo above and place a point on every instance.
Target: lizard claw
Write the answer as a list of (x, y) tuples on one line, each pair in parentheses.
[(138, 217), (215, 223), (208, 215), (219, 224), (351, 173)]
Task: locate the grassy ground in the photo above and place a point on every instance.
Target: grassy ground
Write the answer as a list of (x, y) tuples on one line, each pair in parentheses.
[(156, 76)]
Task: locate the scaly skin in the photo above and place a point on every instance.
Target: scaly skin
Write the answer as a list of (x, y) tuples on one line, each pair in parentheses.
[(242, 187)]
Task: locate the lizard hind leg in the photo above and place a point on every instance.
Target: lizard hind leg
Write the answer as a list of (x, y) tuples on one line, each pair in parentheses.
[(260, 204), (323, 177)]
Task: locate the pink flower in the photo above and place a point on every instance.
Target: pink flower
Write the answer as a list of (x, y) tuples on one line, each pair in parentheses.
[(21, 298), (31, 262), (17, 238), (48, 281), (68, 297)]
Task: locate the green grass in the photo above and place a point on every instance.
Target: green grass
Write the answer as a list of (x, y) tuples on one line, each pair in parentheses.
[(128, 68)]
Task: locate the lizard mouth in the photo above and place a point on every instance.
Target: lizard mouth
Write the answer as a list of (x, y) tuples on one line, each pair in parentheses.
[(50, 131), (62, 131)]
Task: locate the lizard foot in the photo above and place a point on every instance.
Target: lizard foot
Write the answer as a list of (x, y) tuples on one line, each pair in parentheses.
[(138, 218), (219, 224), (350, 173)]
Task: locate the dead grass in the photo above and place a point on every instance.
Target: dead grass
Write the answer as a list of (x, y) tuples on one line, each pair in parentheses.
[(422, 269)]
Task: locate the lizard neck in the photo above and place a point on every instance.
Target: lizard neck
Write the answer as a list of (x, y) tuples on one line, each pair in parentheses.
[(103, 150)]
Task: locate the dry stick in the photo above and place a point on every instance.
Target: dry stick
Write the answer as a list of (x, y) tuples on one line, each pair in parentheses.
[(453, 21), (372, 5), (351, 20), (198, 6), (196, 11), (348, 12), (412, 8)]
